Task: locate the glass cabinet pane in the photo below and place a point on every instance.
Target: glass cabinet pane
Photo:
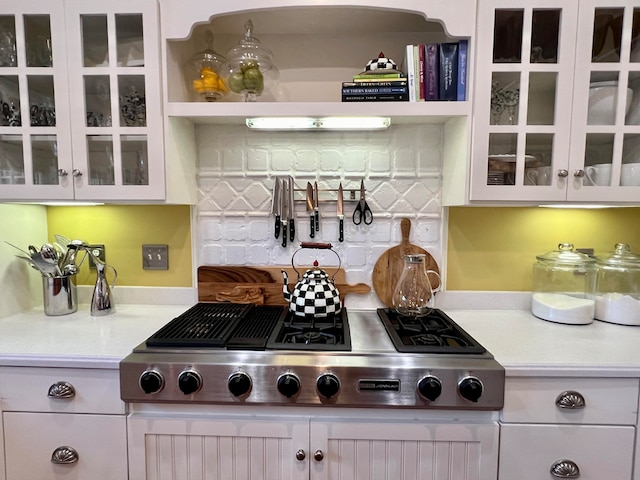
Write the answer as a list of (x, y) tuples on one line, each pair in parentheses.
[(507, 36), (635, 37), (538, 159), (133, 111), (633, 113), (607, 35), (44, 155), (505, 98), (9, 101), (11, 160), (598, 159), (95, 44), (545, 26), (541, 108), (100, 157), (8, 55), (97, 94), (37, 33), (135, 165), (630, 171), (42, 110), (129, 37), (501, 165)]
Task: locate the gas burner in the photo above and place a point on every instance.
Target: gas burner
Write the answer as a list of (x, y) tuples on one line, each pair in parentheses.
[(310, 333), (427, 339), (309, 336)]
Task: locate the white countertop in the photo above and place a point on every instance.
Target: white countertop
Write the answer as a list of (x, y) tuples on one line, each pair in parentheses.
[(522, 343)]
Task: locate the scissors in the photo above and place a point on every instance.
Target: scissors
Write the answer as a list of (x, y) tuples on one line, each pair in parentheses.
[(362, 213)]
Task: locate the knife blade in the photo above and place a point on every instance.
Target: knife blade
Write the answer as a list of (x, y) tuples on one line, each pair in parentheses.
[(284, 214), (316, 201), (276, 205), (340, 214), (291, 210), (310, 210)]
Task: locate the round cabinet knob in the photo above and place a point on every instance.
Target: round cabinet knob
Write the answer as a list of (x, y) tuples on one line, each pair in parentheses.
[(565, 469), (189, 381), (239, 384), (62, 172), (328, 385), (563, 173), (300, 455), (76, 173), (151, 381), (318, 456), (470, 388), (288, 384), (578, 173), (430, 387)]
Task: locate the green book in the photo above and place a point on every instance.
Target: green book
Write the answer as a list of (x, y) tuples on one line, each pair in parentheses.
[(378, 75)]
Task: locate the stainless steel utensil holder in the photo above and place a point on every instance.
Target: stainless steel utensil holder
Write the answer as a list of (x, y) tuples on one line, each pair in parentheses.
[(60, 295)]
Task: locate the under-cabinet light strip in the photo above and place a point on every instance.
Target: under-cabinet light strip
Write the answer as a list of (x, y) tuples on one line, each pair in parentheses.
[(322, 123)]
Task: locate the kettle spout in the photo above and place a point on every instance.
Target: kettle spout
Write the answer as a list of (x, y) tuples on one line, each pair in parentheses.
[(285, 287)]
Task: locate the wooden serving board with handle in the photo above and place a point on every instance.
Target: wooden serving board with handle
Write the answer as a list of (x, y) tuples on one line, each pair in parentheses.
[(389, 266), (259, 285)]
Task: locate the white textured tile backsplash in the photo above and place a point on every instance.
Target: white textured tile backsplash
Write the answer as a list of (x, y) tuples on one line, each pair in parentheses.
[(401, 168)]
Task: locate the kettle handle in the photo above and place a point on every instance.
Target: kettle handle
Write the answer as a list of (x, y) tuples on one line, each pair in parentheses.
[(319, 246)]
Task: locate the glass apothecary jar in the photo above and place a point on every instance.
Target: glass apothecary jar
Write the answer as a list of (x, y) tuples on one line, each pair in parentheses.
[(250, 67), (618, 286), (564, 283), (208, 71)]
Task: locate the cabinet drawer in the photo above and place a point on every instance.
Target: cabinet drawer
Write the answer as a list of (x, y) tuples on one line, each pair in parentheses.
[(611, 401), (27, 389), (527, 452), (100, 442)]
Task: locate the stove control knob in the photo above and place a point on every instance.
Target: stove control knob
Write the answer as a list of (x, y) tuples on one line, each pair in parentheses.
[(189, 381), (239, 384), (328, 385), (288, 384), (470, 388), (430, 387), (151, 381)]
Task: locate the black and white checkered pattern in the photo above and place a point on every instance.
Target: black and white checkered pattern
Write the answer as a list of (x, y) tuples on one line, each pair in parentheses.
[(315, 296), (380, 63)]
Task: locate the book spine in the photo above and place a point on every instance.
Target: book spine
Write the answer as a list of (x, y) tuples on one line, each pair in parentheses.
[(387, 83), (411, 77), (359, 91), (431, 72), (382, 97), (421, 70), (463, 47), (380, 81), (416, 70), (448, 81), (377, 75)]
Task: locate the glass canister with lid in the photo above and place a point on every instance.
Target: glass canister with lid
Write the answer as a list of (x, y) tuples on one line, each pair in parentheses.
[(564, 282), (618, 286)]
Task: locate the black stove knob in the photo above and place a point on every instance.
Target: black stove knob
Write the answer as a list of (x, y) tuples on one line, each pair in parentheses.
[(151, 381), (430, 387), (288, 384), (239, 384), (189, 381), (328, 385), (470, 388)]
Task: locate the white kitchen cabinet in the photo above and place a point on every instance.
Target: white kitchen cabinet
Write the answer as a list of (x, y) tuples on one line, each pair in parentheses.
[(85, 84), (296, 448), (570, 426), (533, 140)]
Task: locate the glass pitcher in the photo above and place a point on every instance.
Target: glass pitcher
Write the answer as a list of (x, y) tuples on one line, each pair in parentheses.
[(413, 295)]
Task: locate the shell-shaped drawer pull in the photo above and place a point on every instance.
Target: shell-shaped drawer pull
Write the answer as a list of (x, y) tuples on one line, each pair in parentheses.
[(64, 456), (61, 390), (565, 469), (570, 400)]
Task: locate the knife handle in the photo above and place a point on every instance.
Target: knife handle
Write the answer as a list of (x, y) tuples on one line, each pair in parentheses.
[(341, 231), (312, 230), (284, 234), (317, 215), (292, 230), (277, 229)]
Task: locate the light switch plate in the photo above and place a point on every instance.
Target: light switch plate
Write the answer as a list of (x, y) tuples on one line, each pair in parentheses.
[(155, 257)]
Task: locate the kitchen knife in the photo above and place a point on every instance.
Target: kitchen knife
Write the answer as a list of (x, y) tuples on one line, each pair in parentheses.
[(340, 214), (291, 210), (276, 204), (310, 210), (284, 213), (316, 201)]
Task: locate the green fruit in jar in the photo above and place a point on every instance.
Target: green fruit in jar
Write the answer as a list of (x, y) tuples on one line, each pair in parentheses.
[(236, 82), (247, 64), (253, 79)]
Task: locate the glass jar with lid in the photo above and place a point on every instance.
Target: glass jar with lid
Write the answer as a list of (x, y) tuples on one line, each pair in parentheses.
[(618, 286), (250, 67), (207, 69), (564, 282)]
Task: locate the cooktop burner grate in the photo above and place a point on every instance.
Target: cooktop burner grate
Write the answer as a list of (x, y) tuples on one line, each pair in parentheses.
[(326, 334)]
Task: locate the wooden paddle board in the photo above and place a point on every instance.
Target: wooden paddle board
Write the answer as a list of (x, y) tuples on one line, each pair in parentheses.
[(388, 268)]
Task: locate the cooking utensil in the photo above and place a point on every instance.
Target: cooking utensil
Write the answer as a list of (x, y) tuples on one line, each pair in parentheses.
[(316, 201), (284, 211), (18, 248), (50, 255), (291, 210), (310, 210), (389, 266), (340, 212), (276, 204), (62, 240), (362, 213)]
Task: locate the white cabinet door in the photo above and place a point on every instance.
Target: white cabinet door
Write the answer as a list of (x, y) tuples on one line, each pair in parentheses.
[(98, 443), (529, 452), (344, 450)]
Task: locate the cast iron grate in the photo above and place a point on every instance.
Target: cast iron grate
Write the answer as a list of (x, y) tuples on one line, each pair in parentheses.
[(251, 333), (312, 334)]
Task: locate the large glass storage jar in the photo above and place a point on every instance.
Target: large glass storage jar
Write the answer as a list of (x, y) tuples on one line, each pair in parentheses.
[(564, 282), (207, 67), (618, 287)]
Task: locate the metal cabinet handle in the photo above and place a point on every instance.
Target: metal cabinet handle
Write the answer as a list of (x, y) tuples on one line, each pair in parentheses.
[(565, 469), (64, 456), (61, 390), (62, 172), (578, 173), (563, 173), (300, 455), (76, 173), (571, 400), (318, 455)]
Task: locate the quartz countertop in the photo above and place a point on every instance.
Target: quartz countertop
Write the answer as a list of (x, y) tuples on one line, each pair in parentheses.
[(522, 343)]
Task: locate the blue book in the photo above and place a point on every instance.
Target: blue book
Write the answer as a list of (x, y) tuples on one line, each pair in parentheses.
[(448, 81), (463, 46)]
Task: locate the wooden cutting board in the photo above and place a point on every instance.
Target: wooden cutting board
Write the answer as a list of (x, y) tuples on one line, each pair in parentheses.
[(259, 285), (388, 268)]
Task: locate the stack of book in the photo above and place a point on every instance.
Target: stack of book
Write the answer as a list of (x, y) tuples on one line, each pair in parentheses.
[(437, 71), (376, 87)]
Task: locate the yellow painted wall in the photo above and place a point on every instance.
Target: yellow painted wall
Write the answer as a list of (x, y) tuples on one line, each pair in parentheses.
[(123, 229), (495, 248)]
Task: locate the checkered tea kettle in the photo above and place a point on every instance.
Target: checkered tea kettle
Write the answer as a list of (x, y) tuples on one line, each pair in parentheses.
[(315, 295)]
